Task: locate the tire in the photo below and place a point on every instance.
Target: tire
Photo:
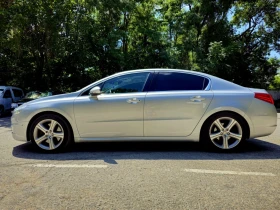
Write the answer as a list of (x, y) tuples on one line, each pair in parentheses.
[(224, 132), (50, 133), (1, 111)]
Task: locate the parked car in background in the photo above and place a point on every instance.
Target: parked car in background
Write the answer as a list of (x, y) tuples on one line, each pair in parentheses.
[(8, 95), (276, 97), (32, 95), (277, 103), (150, 104)]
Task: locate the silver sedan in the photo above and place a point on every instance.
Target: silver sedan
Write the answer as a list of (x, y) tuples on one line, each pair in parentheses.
[(150, 104)]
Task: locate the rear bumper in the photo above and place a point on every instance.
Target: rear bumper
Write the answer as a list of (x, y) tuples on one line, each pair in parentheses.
[(264, 118), (263, 131)]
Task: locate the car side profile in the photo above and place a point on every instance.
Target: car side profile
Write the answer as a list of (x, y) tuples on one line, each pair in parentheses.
[(149, 104)]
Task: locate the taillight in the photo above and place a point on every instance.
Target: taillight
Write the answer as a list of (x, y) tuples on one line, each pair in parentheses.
[(264, 97)]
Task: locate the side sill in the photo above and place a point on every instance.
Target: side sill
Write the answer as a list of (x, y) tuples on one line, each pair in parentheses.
[(122, 139)]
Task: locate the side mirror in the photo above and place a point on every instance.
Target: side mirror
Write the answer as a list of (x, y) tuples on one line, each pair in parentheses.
[(95, 91)]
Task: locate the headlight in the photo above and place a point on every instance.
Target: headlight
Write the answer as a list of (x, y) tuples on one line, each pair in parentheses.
[(14, 105)]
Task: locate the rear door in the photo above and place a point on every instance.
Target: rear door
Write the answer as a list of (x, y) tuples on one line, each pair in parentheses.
[(175, 104)]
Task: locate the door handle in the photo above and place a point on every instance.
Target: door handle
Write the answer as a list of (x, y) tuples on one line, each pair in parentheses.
[(133, 101), (197, 99)]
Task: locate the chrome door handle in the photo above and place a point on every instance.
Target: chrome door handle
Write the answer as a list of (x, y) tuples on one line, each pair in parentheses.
[(133, 101), (197, 99)]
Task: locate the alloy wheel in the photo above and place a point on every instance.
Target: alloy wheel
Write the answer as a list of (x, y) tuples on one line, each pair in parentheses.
[(48, 134), (225, 133)]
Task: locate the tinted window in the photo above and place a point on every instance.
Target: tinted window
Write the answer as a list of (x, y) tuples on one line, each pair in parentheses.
[(126, 84), (17, 93), (168, 81), (7, 94)]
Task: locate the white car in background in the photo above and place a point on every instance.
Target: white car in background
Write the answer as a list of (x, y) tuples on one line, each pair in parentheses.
[(8, 95)]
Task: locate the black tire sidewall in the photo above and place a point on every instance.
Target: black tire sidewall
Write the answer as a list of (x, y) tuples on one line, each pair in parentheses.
[(66, 128), (205, 138), (1, 111)]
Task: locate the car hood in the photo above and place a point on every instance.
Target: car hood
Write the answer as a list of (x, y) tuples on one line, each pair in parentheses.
[(52, 98)]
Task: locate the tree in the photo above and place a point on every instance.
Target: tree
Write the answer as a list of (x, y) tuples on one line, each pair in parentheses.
[(65, 45), (275, 84)]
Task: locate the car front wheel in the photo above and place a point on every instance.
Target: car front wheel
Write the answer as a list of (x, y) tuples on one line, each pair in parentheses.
[(50, 133)]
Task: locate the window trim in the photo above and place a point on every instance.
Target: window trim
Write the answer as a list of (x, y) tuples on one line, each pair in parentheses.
[(6, 92), (102, 82), (207, 88)]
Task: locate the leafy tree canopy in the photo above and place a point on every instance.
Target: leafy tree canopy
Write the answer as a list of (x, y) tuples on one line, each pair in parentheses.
[(65, 45)]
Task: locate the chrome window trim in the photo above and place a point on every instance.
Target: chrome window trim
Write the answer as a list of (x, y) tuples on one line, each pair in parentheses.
[(119, 75), (155, 71)]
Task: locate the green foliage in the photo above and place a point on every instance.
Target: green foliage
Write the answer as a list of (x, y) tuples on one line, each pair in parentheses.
[(275, 84), (65, 45)]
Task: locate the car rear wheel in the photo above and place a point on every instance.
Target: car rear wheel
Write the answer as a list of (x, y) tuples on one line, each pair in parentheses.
[(224, 131), (50, 133)]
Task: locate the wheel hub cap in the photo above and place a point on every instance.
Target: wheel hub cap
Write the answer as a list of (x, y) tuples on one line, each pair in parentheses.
[(48, 134), (225, 133)]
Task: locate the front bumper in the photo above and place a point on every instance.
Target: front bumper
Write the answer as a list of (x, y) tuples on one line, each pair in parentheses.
[(19, 129)]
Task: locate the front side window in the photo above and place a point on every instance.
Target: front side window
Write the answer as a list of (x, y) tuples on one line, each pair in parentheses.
[(173, 81), (17, 93), (130, 83)]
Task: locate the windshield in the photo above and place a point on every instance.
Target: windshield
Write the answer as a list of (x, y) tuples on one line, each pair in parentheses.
[(37, 94), (1, 91)]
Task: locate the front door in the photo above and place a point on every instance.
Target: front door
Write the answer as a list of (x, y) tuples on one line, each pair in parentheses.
[(118, 112), (175, 104), (7, 99)]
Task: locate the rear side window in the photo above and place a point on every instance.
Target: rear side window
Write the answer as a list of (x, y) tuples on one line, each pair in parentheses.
[(168, 81), (17, 93)]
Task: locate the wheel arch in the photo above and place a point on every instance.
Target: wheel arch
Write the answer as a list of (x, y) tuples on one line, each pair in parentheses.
[(43, 113), (248, 131)]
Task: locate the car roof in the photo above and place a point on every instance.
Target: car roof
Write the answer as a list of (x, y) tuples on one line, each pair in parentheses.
[(3, 86), (162, 70)]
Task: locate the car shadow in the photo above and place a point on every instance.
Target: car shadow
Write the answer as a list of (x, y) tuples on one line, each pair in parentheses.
[(113, 151)]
